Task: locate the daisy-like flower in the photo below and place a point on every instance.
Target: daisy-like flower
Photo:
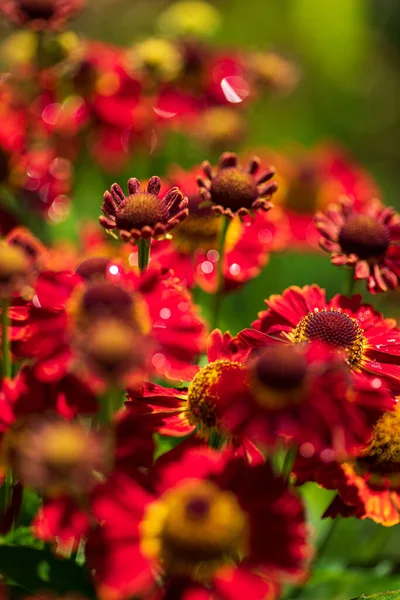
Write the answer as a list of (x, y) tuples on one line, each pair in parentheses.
[(367, 240), (202, 407), (142, 214), (370, 343), (208, 522), (368, 486), (304, 394), (192, 251), (40, 14), (231, 189), (66, 305)]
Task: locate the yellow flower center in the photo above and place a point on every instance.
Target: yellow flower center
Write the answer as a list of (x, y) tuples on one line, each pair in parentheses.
[(194, 529), (13, 263), (335, 328), (64, 445), (208, 393), (381, 458)]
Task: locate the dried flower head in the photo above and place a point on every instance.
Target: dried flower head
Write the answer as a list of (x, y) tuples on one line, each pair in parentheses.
[(142, 214), (234, 190), (40, 14), (367, 240)]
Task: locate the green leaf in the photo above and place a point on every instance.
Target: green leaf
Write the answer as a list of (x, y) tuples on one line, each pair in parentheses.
[(33, 569)]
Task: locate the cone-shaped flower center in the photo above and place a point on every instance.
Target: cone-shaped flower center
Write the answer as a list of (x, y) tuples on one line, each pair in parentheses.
[(234, 188), (381, 458), (93, 269), (334, 328), (112, 346), (194, 529), (364, 236), (277, 377), (64, 445), (37, 9), (141, 210), (211, 390)]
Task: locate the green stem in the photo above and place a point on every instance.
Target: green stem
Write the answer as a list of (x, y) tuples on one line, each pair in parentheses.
[(110, 403), (289, 462), (5, 341), (143, 254), (220, 272), (350, 283)]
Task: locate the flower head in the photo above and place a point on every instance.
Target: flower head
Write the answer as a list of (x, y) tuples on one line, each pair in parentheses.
[(189, 18), (209, 521), (306, 395), (143, 214), (15, 269), (367, 239), (232, 189), (157, 58), (369, 343), (368, 485), (40, 14)]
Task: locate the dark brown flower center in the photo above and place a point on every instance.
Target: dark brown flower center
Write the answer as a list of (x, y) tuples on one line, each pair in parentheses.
[(106, 299), (233, 188), (281, 368), (141, 210), (38, 9), (93, 268), (364, 236), (333, 328)]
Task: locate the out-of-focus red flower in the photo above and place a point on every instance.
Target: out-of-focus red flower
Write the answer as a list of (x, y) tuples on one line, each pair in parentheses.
[(40, 14), (369, 485), (214, 391), (65, 302), (232, 190), (192, 252), (367, 240), (369, 343), (306, 395), (209, 509), (142, 214), (44, 181), (310, 180)]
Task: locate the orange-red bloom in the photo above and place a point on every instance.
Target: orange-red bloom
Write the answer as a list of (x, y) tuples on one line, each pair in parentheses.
[(208, 522), (370, 343), (367, 240), (369, 485)]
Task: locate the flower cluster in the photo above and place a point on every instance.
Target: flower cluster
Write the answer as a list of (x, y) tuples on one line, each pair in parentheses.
[(139, 442)]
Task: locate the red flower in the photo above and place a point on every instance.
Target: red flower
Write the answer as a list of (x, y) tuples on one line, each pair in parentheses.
[(369, 485), (310, 180), (212, 393), (40, 14), (367, 239), (370, 343), (305, 395), (208, 510), (232, 190), (63, 304), (192, 254), (142, 214)]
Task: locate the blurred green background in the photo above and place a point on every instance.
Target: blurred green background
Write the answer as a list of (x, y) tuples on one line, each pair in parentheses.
[(348, 52)]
